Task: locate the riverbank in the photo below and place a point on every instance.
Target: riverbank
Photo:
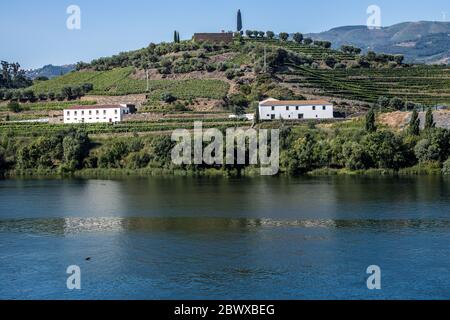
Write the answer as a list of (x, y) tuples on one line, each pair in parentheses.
[(431, 169)]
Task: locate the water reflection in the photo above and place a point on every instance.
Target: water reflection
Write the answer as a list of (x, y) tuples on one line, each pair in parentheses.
[(68, 226)]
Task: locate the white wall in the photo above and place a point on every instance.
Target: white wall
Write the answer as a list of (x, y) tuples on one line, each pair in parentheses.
[(99, 115), (291, 112)]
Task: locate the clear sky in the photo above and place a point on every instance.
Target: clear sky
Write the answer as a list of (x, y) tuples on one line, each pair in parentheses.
[(34, 33)]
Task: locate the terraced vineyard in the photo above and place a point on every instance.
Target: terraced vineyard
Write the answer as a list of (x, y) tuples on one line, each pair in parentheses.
[(316, 53), (36, 129), (119, 82), (50, 106), (428, 85)]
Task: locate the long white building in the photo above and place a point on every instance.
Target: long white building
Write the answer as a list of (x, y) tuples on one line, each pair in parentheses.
[(272, 109), (96, 113)]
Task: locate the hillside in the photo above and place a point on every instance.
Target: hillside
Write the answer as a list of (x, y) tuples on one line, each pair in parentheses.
[(191, 80), (424, 41)]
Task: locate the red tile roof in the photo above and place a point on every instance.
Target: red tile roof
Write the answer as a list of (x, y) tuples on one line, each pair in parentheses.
[(278, 103), (94, 106)]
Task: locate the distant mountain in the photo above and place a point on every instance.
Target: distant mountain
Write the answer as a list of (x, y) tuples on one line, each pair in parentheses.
[(50, 71), (423, 41)]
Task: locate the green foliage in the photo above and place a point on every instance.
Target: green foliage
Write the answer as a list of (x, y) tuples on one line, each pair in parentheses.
[(397, 103), (270, 35), (2, 159), (168, 98), (429, 120), (370, 121), (414, 124), (120, 82), (239, 21), (446, 167), (298, 37), (354, 156), (12, 76), (385, 150), (65, 150), (434, 147), (383, 102), (14, 106), (284, 36)]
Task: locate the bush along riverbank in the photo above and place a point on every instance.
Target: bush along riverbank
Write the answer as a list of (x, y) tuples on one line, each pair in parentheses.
[(356, 148)]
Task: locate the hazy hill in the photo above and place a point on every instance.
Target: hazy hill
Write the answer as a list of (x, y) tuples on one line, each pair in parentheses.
[(422, 41), (50, 71)]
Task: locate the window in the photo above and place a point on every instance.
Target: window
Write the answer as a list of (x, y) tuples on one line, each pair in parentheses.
[(90, 112), (273, 108), (272, 117), (68, 113), (115, 111), (300, 116), (104, 111), (287, 108), (297, 108), (75, 113), (82, 113), (314, 108), (324, 108), (97, 112)]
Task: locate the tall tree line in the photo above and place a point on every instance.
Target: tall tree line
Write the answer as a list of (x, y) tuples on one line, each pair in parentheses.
[(12, 76)]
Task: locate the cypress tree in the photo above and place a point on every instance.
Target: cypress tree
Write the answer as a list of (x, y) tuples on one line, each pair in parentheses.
[(414, 125), (175, 36), (370, 121), (239, 21), (429, 120)]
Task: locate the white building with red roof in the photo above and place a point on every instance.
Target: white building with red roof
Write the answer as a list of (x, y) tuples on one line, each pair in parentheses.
[(272, 109), (97, 113)]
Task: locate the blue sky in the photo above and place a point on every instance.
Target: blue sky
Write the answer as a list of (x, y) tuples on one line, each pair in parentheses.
[(34, 33)]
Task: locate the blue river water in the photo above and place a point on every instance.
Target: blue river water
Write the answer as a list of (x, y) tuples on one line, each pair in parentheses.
[(211, 238)]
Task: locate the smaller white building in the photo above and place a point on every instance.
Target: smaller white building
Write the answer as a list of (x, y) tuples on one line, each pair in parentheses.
[(96, 113), (272, 109)]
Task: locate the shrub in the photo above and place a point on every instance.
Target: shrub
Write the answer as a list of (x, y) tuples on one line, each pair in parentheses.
[(446, 167), (425, 151), (14, 106), (354, 156), (168, 97)]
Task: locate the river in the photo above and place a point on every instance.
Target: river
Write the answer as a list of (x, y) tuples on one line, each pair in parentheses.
[(216, 238)]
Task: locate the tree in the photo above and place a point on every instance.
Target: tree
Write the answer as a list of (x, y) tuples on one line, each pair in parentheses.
[(397, 103), (298, 37), (249, 33), (2, 158), (383, 102), (86, 87), (66, 92), (270, 35), (168, 98), (350, 49), (284, 36), (370, 121), (308, 41), (176, 37), (14, 106), (330, 61), (414, 125), (239, 21), (429, 120)]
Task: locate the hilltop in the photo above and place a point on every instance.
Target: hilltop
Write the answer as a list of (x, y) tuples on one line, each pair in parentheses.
[(50, 71), (423, 41)]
